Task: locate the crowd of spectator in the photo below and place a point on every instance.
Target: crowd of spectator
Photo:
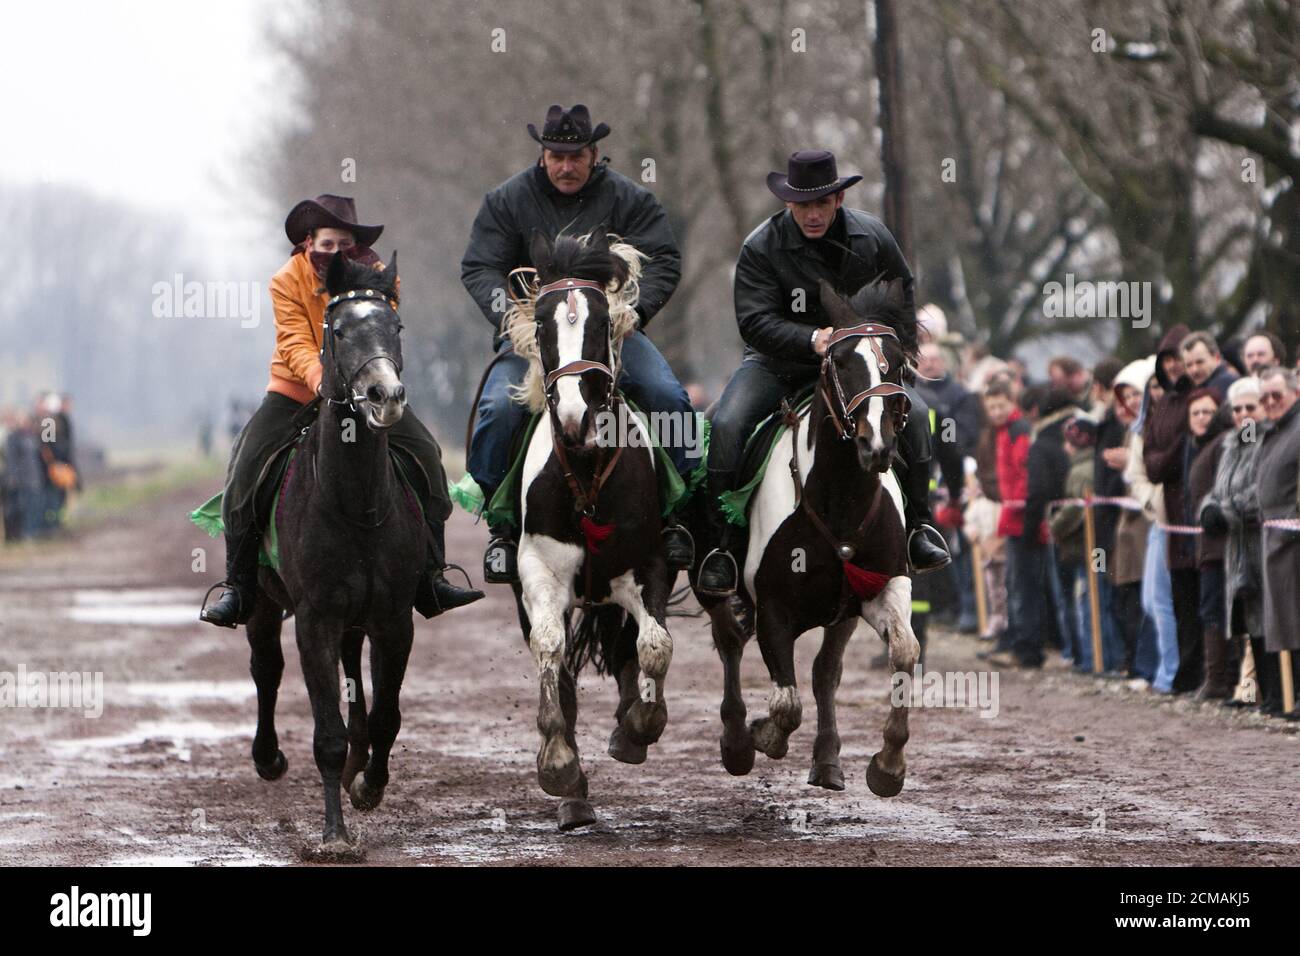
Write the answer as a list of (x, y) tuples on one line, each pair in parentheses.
[(1170, 480)]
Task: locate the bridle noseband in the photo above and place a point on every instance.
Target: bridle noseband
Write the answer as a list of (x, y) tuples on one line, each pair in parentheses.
[(842, 416), (353, 396)]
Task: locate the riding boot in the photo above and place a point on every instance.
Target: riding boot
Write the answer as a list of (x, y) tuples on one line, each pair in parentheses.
[(679, 546), (235, 605), (1219, 680), (718, 572), (926, 549), (435, 594), (500, 560)]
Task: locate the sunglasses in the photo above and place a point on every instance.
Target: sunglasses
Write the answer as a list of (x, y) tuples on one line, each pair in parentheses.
[(1244, 408), (1269, 397)]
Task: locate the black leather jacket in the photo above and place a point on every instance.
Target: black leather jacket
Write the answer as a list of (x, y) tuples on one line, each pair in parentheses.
[(527, 202), (776, 260)]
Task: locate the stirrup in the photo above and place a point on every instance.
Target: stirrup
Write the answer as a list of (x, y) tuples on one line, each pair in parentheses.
[(947, 555), (203, 605), (735, 574)]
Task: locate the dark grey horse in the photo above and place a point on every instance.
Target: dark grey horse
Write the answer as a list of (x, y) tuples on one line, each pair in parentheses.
[(352, 544)]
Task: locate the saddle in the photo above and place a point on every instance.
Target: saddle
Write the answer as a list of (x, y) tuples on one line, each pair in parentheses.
[(757, 454), (503, 509), (269, 489)]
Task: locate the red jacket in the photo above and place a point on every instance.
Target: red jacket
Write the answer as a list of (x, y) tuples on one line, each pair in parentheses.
[(1013, 440)]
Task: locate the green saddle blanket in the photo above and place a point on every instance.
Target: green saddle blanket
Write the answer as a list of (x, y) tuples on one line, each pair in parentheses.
[(758, 453), (208, 515), (674, 491)]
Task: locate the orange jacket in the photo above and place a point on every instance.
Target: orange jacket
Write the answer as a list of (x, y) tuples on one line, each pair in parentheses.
[(299, 321), (299, 317)]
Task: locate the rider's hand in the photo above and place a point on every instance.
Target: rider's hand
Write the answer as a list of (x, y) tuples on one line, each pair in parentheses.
[(821, 339)]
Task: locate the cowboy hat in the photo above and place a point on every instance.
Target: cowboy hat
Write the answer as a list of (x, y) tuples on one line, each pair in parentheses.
[(328, 212), (567, 131), (811, 174)]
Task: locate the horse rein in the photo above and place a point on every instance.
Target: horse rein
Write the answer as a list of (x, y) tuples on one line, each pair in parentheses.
[(844, 425), (584, 499)]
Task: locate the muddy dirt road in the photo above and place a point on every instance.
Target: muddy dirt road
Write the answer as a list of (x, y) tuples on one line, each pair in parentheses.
[(1069, 771)]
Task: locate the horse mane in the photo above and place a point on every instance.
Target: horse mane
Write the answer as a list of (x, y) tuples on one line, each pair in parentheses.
[(352, 276), (619, 273), (882, 302)]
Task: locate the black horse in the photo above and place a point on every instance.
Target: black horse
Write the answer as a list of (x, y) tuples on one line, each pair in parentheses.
[(591, 524), (352, 544), (827, 546)]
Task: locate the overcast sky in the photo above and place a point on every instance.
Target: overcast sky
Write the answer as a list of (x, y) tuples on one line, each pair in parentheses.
[(147, 101)]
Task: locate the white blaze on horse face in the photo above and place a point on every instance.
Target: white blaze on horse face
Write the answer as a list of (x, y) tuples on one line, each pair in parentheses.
[(875, 404), (569, 404)]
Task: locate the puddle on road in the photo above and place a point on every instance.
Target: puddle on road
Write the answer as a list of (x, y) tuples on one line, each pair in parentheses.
[(177, 735), (179, 692), (156, 607)]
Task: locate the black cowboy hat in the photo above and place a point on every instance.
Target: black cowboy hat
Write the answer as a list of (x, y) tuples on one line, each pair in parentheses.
[(328, 212), (811, 175), (567, 131)]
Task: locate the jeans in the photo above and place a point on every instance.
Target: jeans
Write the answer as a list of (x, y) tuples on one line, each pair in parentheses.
[(1158, 602), (645, 378), (1061, 580), (1028, 598), (1113, 651)]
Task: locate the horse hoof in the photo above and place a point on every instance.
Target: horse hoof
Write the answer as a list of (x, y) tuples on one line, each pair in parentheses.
[(644, 723), (335, 850), (364, 796), (558, 771), (275, 769), (768, 738), (623, 750), (355, 764), (826, 775), (737, 758), (883, 784), (574, 813)]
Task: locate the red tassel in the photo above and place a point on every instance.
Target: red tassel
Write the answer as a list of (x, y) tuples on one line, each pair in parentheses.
[(594, 533), (865, 584)]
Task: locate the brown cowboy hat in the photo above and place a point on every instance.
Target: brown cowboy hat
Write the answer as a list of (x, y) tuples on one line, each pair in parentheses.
[(328, 212), (567, 131), (811, 174)]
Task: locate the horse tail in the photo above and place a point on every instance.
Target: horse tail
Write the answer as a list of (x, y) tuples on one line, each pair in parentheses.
[(596, 639)]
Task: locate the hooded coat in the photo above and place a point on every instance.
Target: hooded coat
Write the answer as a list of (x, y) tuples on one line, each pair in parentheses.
[(1236, 493)]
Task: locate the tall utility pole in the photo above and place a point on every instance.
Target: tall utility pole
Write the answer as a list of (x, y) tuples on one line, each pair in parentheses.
[(893, 137)]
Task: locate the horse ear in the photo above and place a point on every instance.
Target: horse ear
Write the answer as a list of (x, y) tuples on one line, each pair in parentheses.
[(336, 274), (539, 249), (599, 240), (391, 269), (833, 305)]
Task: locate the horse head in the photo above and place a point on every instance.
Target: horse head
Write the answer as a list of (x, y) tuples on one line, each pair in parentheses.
[(871, 353), (362, 354), (575, 334)]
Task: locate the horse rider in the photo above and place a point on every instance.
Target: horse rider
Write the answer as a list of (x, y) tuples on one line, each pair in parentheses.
[(317, 229), (779, 311), (567, 190)]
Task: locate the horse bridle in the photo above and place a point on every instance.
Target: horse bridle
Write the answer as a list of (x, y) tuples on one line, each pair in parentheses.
[(842, 416), (584, 499), (579, 366), (353, 396)]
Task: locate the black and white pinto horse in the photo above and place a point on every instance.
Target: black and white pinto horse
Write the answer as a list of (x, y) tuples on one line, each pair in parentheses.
[(590, 516), (827, 544), (352, 545)]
